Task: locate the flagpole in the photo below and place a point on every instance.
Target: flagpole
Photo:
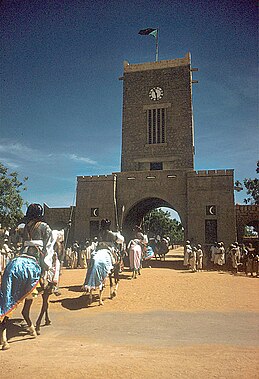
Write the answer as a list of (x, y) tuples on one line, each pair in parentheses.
[(154, 33), (157, 46)]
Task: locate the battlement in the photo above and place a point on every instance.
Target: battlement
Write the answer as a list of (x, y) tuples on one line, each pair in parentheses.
[(244, 209), (228, 172), (94, 178), (157, 65)]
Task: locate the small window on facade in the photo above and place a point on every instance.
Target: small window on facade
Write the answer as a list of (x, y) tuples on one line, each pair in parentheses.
[(211, 233), (94, 229), (156, 124), (156, 166)]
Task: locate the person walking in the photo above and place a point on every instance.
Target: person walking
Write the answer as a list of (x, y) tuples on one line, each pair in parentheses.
[(250, 260), (187, 251), (219, 258), (234, 255), (199, 258), (193, 259)]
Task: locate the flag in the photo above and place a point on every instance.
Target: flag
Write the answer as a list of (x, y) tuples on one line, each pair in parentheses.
[(148, 31)]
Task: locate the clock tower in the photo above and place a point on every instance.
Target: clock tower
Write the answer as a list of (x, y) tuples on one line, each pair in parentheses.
[(157, 164), (157, 123)]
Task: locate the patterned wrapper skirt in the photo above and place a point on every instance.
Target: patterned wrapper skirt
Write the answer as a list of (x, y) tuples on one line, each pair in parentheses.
[(148, 254), (20, 278)]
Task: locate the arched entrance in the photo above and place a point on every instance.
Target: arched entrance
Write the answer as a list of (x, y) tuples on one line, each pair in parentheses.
[(135, 214), (247, 216)]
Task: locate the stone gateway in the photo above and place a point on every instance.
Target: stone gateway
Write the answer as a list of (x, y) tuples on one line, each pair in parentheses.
[(157, 164)]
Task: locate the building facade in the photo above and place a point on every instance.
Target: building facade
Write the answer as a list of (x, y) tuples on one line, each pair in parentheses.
[(157, 163)]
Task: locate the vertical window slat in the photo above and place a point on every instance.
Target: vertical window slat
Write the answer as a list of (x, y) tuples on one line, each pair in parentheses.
[(156, 125)]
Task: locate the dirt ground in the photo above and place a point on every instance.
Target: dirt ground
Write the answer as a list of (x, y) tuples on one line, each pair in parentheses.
[(168, 323)]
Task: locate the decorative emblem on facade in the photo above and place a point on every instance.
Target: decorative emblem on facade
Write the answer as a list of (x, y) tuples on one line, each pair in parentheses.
[(210, 210), (94, 212)]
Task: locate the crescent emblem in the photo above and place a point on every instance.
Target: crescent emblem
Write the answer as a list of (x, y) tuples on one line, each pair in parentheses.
[(95, 212), (211, 210)]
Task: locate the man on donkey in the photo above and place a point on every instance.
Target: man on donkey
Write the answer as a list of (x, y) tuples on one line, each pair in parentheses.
[(103, 261), (27, 271)]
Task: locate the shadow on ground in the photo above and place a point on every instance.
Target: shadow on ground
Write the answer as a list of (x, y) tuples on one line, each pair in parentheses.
[(81, 302), (17, 327)]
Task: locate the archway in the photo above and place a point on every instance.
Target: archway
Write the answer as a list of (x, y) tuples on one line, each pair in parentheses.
[(250, 233), (247, 220), (135, 215)]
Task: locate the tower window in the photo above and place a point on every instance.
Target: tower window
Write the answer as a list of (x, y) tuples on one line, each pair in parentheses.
[(156, 124)]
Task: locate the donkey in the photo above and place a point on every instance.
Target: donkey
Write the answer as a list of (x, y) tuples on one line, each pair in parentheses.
[(160, 247), (33, 331), (100, 267), (105, 261), (29, 283)]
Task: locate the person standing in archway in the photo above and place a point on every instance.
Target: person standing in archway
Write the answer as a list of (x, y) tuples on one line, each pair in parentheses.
[(187, 252)]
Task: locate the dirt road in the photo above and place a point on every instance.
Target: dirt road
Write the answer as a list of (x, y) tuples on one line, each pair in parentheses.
[(168, 323)]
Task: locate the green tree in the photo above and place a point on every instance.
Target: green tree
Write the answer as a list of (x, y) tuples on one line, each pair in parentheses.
[(252, 188), (159, 222), (250, 231), (11, 201)]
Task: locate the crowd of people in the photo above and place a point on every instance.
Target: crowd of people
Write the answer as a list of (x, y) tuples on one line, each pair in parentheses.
[(8, 251), (235, 258), (32, 263), (133, 254)]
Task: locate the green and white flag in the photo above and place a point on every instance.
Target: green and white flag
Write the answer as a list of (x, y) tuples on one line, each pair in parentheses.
[(148, 32), (151, 32)]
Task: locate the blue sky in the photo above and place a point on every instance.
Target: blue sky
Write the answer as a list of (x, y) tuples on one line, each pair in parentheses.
[(61, 100)]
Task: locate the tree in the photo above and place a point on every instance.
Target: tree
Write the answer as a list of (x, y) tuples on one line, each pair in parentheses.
[(252, 188), (159, 222), (11, 201)]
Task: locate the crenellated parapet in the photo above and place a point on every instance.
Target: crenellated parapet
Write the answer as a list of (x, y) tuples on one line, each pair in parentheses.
[(228, 172), (242, 210), (94, 178)]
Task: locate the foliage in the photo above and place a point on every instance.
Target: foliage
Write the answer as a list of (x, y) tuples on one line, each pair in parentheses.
[(250, 231), (252, 188), (159, 222), (11, 201)]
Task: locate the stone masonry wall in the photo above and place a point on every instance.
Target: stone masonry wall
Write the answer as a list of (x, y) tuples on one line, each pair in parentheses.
[(93, 192), (175, 80), (207, 188)]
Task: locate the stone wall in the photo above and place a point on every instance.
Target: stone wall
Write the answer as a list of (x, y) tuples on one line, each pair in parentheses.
[(202, 198), (211, 188), (93, 192), (126, 197), (174, 77)]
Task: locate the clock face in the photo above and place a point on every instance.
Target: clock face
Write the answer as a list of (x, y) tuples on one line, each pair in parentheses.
[(156, 93)]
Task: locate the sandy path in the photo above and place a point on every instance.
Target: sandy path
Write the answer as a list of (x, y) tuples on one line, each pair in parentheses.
[(167, 323)]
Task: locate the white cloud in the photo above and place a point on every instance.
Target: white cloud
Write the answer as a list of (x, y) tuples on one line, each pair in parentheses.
[(21, 151), (76, 158), (14, 153)]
